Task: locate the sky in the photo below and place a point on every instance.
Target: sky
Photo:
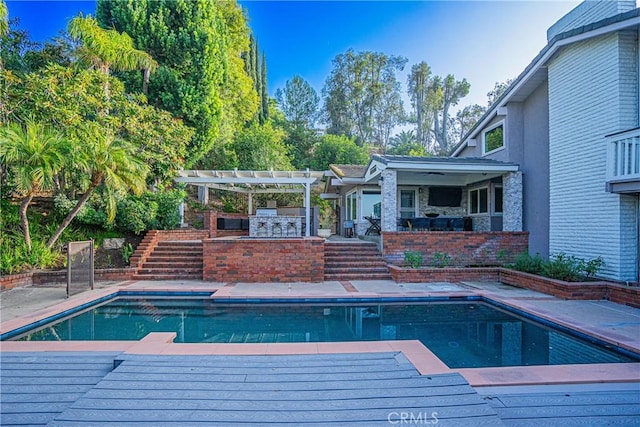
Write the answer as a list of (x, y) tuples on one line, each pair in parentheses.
[(483, 41)]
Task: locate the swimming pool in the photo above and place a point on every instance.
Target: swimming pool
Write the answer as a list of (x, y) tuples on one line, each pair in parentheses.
[(461, 332)]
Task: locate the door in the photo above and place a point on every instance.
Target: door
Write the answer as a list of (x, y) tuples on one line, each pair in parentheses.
[(407, 203)]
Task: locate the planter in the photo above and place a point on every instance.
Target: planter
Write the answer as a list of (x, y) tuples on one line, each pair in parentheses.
[(324, 232)]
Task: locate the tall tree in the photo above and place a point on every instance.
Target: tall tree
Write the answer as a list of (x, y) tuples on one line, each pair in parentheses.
[(299, 102), (264, 94), (498, 89), (465, 119), (406, 144), (452, 91), (201, 77), (359, 84), (35, 153), (4, 18), (107, 161), (108, 50), (422, 100), (338, 149)]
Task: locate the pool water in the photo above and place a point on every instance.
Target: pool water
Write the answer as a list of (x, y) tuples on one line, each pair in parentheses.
[(461, 334)]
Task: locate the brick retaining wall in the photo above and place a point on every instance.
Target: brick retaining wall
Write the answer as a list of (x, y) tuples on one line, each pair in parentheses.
[(210, 221), (465, 248), (432, 274), (43, 278), (263, 260)]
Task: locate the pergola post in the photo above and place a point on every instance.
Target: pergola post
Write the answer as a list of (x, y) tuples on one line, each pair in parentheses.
[(250, 204)]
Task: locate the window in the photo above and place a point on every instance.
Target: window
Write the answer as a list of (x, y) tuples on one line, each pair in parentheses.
[(370, 203), (407, 203), (352, 206), (497, 199), (493, 139), (478, 200)]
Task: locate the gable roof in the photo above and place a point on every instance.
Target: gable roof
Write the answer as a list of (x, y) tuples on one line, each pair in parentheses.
[(535, 70), (348, 171)]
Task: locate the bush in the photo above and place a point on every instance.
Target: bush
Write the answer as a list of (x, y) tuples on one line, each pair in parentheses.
[(564, 267), (441, 259), (529, 264), (413, 259), (15, 257), (134, 215), (168, 208)]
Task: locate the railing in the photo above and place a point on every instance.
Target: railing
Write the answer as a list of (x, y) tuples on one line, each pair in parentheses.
[(623, 159)]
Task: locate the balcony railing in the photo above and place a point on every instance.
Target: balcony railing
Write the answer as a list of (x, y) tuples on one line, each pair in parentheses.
[(623, 160)]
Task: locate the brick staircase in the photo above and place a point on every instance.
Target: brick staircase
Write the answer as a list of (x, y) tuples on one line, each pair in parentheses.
[(172, 260), (354, 261)]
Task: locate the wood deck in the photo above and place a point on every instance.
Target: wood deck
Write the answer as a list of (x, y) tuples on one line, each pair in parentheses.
[(334, 389)]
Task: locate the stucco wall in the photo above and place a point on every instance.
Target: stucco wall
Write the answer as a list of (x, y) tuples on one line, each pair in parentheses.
[(590, 96)]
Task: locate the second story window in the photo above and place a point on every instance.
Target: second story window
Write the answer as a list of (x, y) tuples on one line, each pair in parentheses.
[(493, 139)]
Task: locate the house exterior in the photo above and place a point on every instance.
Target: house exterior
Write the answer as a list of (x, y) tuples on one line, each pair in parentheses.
[(571, 122)]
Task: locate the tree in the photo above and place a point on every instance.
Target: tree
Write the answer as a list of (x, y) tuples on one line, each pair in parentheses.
[(422, 99), (465, 119), (4, 18), (360, 85), (36, 153), (201, 76), (108, 50), (406, 144), (334, 149), (498, 89), (107, 161), (299, 102), (452, 91)]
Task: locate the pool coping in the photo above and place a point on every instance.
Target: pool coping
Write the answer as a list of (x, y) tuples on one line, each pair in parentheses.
[(420, 356)]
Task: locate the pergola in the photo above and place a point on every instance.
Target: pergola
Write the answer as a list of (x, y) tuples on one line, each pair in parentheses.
[(256, 182)]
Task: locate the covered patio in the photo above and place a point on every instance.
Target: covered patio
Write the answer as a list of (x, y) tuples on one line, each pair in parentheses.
[(434, 193)]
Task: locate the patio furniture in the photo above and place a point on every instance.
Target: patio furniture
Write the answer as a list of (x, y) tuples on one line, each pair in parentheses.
[(348, 227), (439, 224), (420, 224), (374, 228)]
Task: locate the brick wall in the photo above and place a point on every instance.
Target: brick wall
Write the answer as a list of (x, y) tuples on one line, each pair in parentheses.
[(411, 275), (465, 248), (263, 260), (210, 221), (557, 288), (43, 278)]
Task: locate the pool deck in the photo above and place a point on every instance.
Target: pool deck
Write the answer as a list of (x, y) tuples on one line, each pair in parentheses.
[(519, 395)]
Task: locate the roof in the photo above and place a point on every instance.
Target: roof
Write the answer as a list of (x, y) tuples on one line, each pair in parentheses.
[(388, 159), (556, 42), (348, 171)]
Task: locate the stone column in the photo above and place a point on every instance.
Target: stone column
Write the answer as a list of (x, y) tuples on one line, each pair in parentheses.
[(512, 201), (389, 196)]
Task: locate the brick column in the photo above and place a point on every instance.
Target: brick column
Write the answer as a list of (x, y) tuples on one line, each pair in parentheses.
[(512, 201), (210, 223), (389, 200)]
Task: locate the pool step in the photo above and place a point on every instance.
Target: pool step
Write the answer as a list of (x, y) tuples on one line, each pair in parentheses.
[(354, 261), (173, 260)]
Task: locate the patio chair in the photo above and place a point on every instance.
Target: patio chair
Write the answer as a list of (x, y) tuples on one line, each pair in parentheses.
[(348, 227)]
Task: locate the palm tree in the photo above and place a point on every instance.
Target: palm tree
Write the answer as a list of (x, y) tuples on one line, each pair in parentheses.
[(108, 50), (107, 161), (37, 153)]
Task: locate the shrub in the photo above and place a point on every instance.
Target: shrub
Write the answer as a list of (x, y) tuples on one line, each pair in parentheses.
[(134, 215), (413, 259), (529, 264), (564, 267), (441, 259), (127, 251), (168, 208), (593, 266)]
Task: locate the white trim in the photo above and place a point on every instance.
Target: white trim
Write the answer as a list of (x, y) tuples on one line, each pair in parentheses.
[(502, 111), (540, 62), (489, 129), (478, 188), (416, 200), (452, 167)]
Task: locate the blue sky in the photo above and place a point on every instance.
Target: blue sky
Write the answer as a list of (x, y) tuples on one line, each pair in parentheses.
[(482, 41)]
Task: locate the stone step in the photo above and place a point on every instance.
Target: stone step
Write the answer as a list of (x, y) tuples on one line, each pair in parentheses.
[(357, 270), (358, 259), (181, 276), (359, 276), (175, 243), (174, 253), (173, 259), (169, 270), (173, 264)]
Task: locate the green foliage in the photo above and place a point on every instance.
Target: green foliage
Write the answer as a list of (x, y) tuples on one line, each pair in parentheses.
[(327, 215), (334, 149), (362, 96), (413, 259), (406, 144), (134, 215), (15, 256), (231, 204), (441, 259), (168, 208), (127, 251), (201, 76), (561, 266), (593, 266), (299, 102), (529, 264)]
